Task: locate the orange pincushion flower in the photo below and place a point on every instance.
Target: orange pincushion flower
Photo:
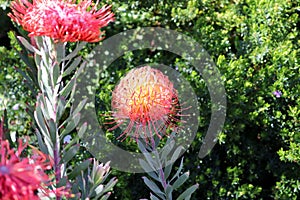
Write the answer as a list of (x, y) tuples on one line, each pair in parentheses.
[(62, 20), (21, 178), (147, 99)]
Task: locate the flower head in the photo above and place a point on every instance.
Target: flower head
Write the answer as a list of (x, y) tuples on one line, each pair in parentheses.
[(62, 20), (147, 100), (21, 178)]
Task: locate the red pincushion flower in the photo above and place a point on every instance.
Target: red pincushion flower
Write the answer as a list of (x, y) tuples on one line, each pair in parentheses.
[(21, 178), (147, 99), (62, 20)]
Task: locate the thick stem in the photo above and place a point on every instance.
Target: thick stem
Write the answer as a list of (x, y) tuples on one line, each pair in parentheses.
[(162, 175), (161, 171), (56, 153)]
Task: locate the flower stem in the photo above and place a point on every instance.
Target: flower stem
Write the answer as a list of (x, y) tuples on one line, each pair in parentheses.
[(57, 171), (161, 171)]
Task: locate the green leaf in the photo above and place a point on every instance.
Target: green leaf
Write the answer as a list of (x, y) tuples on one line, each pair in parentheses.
[(71, 124), (39, 118), (52, 130), (48, 109), (48, 143), (80, 168), (60, 51), (55, 74), (188, 192), (151, 172), (75, 51), (106, 196), (70, 154), (146, 166), (25, 58), (169, 191), (61, 106), (181, 180), (79, 107), (62, 182), (167, 149), (82, 129), (179, 170), (176, 154), (37, 59), (41, 142), (153, 197), (141, 146), (167, 170), (154, 187), (110, 184), (72, 67), (28, 45), (39, 41), (68, 88)]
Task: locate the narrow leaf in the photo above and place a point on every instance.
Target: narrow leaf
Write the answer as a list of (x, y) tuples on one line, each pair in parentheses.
[(79, 107), (68, 88), (75, 51), (60, 51), (167, 170), (150, 160), (146, 166), (82, 129), (61, 106), (72, 66), (169, 191), (110, 184), (71, 125), (70, 154), (80, 168), (55, 74), (28, 45), (153, 197), (176, 154), (41, 142), (39, 118), (188, 192), (181, 180), (52, 130), (105, 197), (167, 149), (179, 170), (151, 172), (154, 187)]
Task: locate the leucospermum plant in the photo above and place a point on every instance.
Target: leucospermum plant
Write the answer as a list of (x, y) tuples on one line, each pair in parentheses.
[(146, 105), (24, 177), (51, 25)]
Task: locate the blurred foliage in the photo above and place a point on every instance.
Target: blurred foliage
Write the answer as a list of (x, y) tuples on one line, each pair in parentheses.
[(255, 45), (14, 96)]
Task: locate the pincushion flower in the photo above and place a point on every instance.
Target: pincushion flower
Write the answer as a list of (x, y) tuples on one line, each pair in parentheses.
[(22, 178), (62, 20), (147, 100)]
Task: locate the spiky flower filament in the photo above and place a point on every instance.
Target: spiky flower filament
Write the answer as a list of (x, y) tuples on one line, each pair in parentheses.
[(147, 100), (62, 20)]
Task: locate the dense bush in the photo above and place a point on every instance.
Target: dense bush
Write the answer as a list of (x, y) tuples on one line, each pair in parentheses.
[(255, 45)]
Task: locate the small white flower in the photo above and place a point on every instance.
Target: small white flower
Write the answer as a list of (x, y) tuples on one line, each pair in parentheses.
[(16, 107)]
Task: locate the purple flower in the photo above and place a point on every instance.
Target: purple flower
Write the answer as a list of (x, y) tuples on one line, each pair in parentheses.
[(67, 139), (277, 93)]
